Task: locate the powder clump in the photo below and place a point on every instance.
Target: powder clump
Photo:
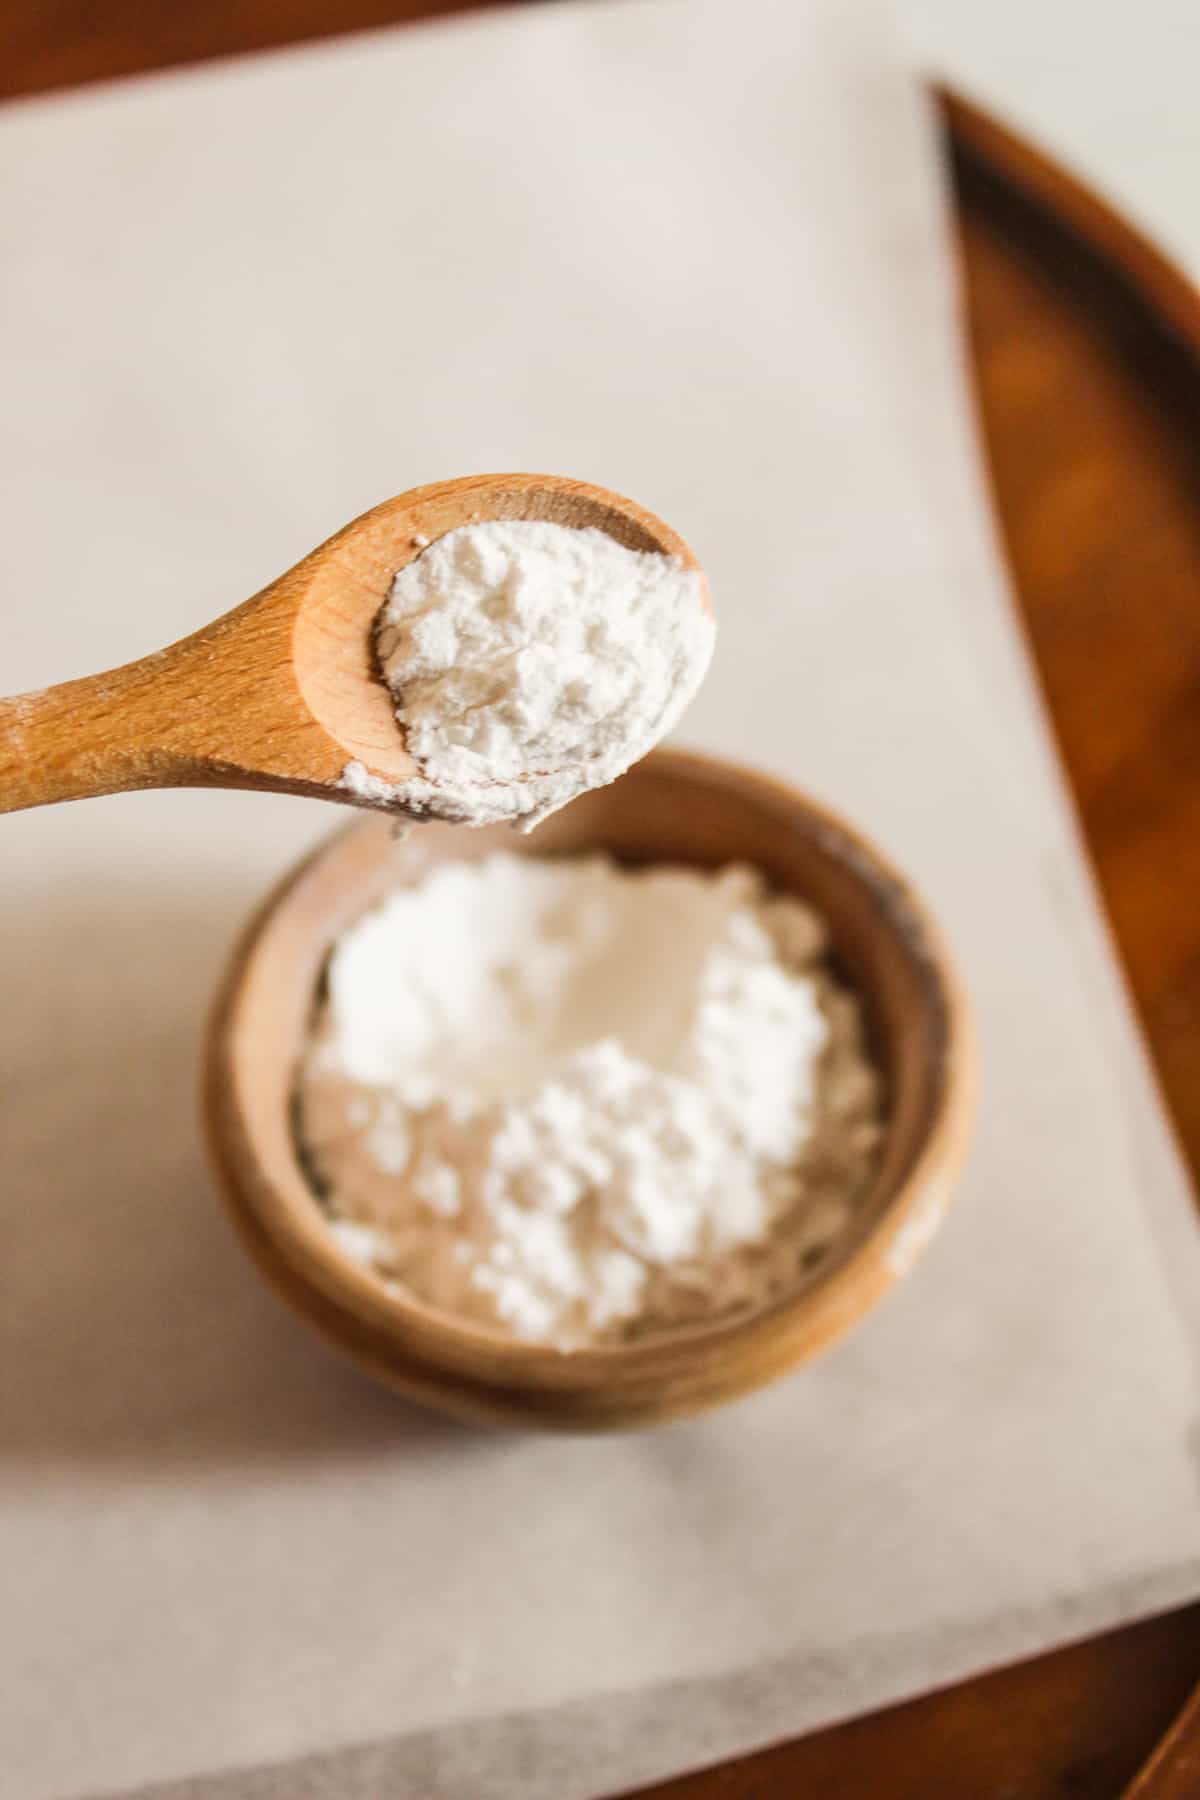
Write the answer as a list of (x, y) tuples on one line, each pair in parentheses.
[(531, 661), (574, 1102)]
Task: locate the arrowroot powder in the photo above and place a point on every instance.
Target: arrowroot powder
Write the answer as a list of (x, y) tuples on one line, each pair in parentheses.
[(529, 662), (574, 1102)]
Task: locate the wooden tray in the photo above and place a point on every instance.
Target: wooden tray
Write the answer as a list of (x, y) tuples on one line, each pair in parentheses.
[(1085, 345)]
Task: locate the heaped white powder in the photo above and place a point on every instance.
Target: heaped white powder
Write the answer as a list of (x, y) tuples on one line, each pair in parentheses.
[(574, 1102), (530, 662)]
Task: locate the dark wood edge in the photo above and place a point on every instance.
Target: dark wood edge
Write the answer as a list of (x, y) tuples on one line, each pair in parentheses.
[(1170, 303), (1173, 1772), (1160, 288)]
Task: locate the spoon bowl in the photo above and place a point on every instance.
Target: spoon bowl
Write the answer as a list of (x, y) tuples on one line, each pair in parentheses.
[(283, 692)]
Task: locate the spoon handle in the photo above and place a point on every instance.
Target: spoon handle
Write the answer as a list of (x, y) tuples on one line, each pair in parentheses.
[(100, 735), (218, 709)]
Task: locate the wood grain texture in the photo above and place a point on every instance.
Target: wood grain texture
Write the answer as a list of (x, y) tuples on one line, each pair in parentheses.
[(282, 692), (1173, 1772), (1089, 413), (278, 693), (1086, 349)]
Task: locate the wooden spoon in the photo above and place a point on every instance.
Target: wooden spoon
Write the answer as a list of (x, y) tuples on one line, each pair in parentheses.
[(283, 691)]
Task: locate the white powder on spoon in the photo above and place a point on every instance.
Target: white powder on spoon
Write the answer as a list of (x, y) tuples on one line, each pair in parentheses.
[(530, 662), (571, 1101)]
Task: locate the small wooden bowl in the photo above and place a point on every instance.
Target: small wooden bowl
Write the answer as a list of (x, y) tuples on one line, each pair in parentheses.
[(671, 807)]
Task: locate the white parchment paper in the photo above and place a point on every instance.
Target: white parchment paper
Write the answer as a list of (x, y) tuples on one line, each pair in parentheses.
[(697, 252)]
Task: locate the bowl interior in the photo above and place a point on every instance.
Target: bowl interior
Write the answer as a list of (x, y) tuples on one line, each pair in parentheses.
[(670, 807)]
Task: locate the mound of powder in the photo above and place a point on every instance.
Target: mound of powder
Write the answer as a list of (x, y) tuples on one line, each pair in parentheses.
[(530, 662), (573, 1102)]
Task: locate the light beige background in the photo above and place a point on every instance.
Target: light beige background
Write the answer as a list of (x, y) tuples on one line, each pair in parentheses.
[(1110, 88), (699, 253)]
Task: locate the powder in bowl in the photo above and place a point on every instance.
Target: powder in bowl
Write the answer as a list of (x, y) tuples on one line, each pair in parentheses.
[(574, 1102), (531, 661)]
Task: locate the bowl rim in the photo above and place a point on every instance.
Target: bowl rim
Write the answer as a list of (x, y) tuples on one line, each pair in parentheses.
[(398, 1336)]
